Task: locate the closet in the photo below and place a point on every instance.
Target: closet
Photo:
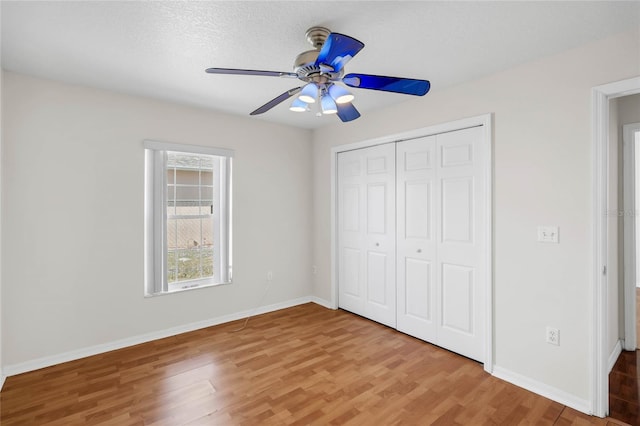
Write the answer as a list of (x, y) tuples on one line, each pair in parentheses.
[(411, 239)]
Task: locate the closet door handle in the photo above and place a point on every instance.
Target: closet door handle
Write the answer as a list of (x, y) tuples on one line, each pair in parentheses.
[(419, 250), (377, 244)]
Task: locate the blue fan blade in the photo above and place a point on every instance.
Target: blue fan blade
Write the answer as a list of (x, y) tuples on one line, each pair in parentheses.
[(250, 72), (347, 112), (406, 86), (275, 101), (337, 50)]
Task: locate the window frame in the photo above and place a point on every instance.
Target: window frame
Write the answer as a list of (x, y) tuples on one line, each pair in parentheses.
[(155, 216)]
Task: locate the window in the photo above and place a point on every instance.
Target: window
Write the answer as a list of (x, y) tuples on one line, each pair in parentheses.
[(187, 217)]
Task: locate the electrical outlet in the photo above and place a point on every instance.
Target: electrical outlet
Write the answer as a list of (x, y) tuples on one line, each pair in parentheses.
[(548, 234), (553, 336), (314, 269), (270, 276)]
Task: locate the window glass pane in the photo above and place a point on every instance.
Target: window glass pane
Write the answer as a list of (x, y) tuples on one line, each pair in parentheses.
[(188, 264), (206, 177), (172, 234), (187, 177), (190, 249), (189, 233), (206, 199), (171, 196), (189, 240), (207, 233), (206, 255), (171, 266), (187, 210), (187, 195)]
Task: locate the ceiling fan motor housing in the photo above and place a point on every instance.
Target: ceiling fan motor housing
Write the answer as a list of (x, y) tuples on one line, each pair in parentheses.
[(305, 64)]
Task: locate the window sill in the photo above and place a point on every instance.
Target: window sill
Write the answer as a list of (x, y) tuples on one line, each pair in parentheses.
[(186, 288)]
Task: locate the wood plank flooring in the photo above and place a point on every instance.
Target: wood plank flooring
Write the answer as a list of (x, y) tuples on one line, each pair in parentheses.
[(302, 365), (638, 317), (624, 384), (624, 381)]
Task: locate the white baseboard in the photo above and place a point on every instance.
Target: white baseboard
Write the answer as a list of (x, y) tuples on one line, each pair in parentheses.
[(23, 367), (322, 302), (615, 353), (543, 389)]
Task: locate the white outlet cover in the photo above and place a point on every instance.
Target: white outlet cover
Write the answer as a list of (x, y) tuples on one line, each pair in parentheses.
[(553, 336), (548, 234)]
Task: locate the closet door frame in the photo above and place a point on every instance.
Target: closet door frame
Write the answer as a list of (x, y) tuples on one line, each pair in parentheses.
[(485, 121)]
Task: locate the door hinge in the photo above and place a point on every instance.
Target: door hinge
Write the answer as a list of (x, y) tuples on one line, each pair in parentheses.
[(604, 270)]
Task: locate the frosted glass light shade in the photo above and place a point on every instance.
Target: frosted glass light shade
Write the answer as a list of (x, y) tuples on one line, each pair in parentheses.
[(309, 93), (340, 94), (298, 106), (328, 105)]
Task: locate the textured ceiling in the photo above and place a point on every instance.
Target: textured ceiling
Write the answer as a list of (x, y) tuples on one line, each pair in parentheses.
[(161, 49)]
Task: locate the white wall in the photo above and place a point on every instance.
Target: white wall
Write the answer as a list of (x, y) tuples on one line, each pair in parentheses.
[(542, 176), (72, 175)]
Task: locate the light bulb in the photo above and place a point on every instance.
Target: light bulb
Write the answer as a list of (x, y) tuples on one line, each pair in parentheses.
[(309, 93), (298, 106), (328, 105), (340, 94)]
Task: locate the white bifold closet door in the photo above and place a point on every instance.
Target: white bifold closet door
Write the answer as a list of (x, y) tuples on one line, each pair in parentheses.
[(411, 237), (441, 240), (366, 241)]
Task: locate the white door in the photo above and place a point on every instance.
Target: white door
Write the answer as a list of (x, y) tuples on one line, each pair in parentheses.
[(416, 238), (366, 236), (428, 282), (440, 240), (461, 241)]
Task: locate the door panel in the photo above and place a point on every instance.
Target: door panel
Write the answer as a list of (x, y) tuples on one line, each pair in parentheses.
[(417, 221), (350, 226), (351, 271), (380, 304), (457, 298), (457, 209), (461, 237), (351, 202), (376, 211), (366, 216), (418, 289), (416, 245), (377, 282)]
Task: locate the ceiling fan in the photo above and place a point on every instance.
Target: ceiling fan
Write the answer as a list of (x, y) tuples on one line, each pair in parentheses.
[(322, 69)]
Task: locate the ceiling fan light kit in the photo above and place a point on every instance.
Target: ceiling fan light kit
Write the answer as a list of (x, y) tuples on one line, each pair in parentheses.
[(328, 104), (299, 106), (340, 94), (321, 69), (309, 93)]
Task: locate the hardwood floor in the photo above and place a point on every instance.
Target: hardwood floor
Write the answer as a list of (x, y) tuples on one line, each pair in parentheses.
[(302, 365), (624, 383), (637, 317)]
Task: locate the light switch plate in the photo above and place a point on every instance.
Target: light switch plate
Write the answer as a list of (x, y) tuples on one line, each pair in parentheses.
[(548, 234)]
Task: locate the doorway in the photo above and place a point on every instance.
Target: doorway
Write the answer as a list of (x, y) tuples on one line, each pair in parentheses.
[(624, 135), (628, 109), (602, 284)]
